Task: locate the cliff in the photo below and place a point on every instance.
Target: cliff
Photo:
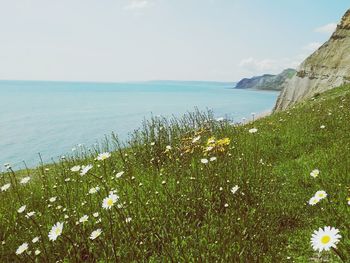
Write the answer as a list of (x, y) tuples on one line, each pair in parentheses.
[(325, 69)]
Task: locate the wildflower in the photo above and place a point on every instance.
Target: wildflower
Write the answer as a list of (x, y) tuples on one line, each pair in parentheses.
[(25, 180), (128, 219), (95, 234), (348, 199), (168, 147), (95, 214), (53, 199), (212, 159), (5, 187), (315, 173), (67, 180), (254, 130), (85, 169), (118, 175), (196, 139), (83, 219), (21, 209), (75, 168), (35, 239), (321, 195), (204, 161), (211, 140), (30, 214), (314, 200), (94, 190), (209, 148), (55, 231), (109, 201), (234, 189), (224, 142), (153, 143), (322, 126), (22, 248), (324, 239), (37, 252), (163, 182), (103, 156), (226, 205)]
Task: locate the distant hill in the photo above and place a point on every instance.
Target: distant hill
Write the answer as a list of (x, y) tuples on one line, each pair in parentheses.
[(267, 81)]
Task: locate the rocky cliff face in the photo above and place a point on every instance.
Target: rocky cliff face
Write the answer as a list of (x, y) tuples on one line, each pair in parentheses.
[(266, 82), (325, 69)]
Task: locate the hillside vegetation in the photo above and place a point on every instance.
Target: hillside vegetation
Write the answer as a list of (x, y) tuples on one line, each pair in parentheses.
[(190, 190)]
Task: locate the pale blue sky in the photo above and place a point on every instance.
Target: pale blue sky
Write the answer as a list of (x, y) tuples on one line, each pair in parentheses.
[(133, 40)]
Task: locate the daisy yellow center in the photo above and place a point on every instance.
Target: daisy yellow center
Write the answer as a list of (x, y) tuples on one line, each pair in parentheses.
[(325, 239), (57, 231), (109, 202)]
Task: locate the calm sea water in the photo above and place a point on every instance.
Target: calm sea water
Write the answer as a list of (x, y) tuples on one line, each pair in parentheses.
[(53, 117)]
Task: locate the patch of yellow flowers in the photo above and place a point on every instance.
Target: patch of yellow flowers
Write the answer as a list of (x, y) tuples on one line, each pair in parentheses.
[(217, 146)]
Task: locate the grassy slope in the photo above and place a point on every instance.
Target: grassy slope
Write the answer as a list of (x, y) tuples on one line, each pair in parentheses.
[(177, 204)]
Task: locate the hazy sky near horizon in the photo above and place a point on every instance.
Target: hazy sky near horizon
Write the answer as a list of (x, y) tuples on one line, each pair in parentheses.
[(135, 40)]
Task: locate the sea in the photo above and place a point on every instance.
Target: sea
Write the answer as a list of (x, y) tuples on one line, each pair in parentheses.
[(52, 118)]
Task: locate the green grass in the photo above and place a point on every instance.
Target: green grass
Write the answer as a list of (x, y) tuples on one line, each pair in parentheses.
[(183, 210)]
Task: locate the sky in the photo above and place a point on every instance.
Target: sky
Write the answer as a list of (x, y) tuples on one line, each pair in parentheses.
[(138, 40)]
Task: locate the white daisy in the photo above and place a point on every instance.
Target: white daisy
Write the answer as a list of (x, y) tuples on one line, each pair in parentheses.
[(84, 219), (5, 187), (234, 189), (118, 175), (95, 234), (55, 231), (75, 168), (35, 239), (109, 201), (22, 248), (21, 209), (103, 156), (30, 214), (321, 194), (85, 169), (95, 214), (94, 190), (315, 173), (53, 199), (204, 161), (253, 130), (314, 200), (324, 239), (196, 139), (25, 180)]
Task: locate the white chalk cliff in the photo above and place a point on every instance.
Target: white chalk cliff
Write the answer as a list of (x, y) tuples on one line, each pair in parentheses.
[(327, 68)]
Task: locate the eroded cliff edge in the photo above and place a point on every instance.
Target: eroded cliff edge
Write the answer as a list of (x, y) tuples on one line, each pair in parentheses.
[(327, 68)]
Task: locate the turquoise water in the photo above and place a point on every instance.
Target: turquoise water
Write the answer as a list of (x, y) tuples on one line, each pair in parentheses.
[(53, 117)]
